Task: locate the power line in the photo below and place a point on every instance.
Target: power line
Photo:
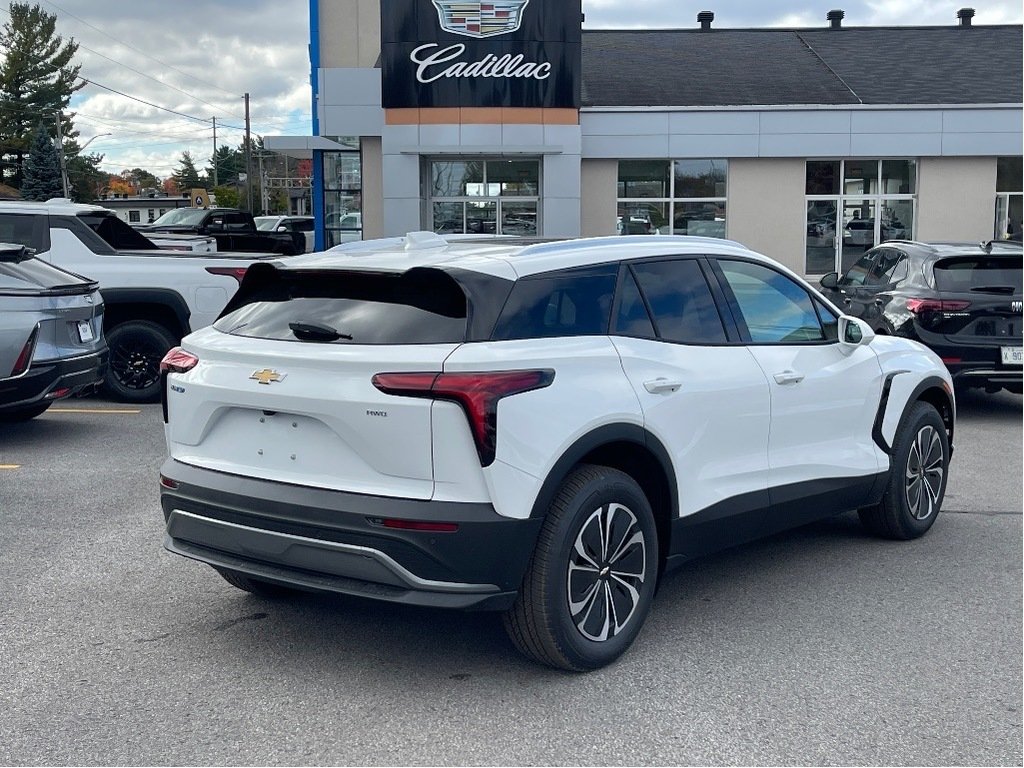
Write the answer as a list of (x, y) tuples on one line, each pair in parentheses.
[(132, 47)]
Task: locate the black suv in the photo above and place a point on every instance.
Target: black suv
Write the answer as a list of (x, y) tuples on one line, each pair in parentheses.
[(962, 300)]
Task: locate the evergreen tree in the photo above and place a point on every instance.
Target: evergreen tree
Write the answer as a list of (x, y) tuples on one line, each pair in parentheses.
[(86, 178), (228, 162), (186, 176), (42, 169), (37, 79)]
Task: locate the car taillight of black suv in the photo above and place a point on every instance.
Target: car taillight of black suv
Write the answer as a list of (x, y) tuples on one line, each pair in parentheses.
[(962, 300)]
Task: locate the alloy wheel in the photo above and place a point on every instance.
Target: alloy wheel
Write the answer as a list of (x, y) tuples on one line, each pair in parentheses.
[(607, 570), (924, 472)]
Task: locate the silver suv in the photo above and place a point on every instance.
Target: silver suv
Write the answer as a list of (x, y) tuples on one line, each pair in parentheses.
[(51, 334)]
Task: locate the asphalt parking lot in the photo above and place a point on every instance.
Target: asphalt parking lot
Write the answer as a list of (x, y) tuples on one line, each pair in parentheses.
[(819, 646)]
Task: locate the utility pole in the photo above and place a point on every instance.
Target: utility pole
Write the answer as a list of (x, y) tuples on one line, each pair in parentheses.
[(263, 191), (248, 158), (60, 155), (214, 119)]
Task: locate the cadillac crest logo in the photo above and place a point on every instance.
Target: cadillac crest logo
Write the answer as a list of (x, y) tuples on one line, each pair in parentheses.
[(480, 19)]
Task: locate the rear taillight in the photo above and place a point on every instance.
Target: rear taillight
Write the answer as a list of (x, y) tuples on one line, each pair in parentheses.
[(236, 272), (415, 525), (477, 393), (920, 306), (177, 360), (25, 356)]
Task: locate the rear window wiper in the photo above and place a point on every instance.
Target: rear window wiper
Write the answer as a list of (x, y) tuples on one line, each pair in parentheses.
[(316, 332), (994, 289)]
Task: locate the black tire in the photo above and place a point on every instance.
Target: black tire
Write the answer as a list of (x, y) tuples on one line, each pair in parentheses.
[(559, 618), (24, 414), (251, 584), (136, 349), (917, 478)]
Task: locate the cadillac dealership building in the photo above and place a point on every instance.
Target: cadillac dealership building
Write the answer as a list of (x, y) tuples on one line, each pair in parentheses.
[(809, 145)]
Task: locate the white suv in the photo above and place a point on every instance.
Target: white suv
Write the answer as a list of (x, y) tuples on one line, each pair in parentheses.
[(537, 429)]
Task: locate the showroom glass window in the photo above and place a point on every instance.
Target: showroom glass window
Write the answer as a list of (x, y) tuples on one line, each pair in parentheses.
[(343, 194), (666, 197), (1009, 198), (853, 205), (485, 196)]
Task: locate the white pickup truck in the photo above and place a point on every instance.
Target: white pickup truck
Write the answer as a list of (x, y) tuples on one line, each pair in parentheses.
[(152, 297)]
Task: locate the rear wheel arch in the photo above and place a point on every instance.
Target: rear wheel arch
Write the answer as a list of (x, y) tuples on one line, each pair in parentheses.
[(628, 448), (156, 305)]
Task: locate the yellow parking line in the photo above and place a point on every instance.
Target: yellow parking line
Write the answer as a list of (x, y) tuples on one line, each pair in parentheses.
[(93, 410), (10, 466)]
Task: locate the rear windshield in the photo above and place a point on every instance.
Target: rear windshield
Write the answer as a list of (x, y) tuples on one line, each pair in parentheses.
[(980, 274), (421, 306)]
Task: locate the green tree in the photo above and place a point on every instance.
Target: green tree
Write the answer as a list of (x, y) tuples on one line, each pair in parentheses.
[(37, 79), (227, 196), (86, 179), (42, 169), (142, 179), (186, 176), (228, 162)]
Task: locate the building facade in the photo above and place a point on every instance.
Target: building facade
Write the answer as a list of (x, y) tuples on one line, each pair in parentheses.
[(809, 145)]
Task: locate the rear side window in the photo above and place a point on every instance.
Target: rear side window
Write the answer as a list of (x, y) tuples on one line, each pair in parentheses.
[(572, 303), (421, 306), (995, 274), (25, 229), (679, 296)]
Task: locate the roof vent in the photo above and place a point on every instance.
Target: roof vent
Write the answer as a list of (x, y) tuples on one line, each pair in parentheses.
[(836, 17), (705, 18), (965, 15)]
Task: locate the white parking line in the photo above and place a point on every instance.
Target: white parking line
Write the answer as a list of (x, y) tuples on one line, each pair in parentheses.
[(93, 410)]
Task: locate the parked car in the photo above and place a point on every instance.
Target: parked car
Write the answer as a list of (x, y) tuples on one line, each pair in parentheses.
[(234, 230), (152, 297), (538, 429), (300, 225), (51, 334), (963, 300)]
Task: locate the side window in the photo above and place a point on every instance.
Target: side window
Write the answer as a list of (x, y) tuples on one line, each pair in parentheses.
[(886, 266), (860, 270), (25, 229), (681, 301), (573, 303), (774, 307), (235, 222), (632, 318), (304, 225)]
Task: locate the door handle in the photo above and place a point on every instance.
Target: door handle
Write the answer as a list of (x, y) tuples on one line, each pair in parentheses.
[(789, 377), (662, 386)]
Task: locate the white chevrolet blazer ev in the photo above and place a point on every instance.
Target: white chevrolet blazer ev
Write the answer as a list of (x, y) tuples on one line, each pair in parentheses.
[(539, 429)]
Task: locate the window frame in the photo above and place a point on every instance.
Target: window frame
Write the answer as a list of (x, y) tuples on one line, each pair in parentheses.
[(876, 199), (497, 200), (671, 200)]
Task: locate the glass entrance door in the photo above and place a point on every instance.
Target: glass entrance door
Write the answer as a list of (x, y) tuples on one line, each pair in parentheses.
[(485, 196)]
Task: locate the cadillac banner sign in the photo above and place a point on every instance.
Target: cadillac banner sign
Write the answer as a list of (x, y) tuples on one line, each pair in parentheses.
[(459, 53)]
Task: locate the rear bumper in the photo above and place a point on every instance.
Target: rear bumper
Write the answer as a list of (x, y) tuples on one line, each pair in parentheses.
[(330, 541), (43, 380)]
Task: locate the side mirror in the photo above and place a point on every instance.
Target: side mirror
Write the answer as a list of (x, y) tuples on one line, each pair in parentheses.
[(830, 281), (854, 332), (282, 228)]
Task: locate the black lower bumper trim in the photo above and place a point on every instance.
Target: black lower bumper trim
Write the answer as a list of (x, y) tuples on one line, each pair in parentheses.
[(42, 379), (333, 541)]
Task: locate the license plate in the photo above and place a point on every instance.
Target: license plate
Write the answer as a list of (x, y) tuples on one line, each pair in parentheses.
[(85, 333), (1012, 355)]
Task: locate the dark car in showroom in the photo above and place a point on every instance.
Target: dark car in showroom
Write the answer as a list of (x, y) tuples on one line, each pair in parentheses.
[(51, 334), (962, 300)]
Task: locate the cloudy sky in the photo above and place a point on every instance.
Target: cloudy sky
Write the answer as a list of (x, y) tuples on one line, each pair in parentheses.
[(198, 58)]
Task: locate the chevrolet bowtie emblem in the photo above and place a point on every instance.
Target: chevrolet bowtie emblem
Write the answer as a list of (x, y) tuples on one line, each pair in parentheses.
[(267, 376)]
